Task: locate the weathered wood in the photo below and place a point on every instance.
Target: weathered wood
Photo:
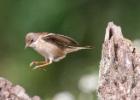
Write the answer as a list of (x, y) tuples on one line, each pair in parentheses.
[(119, 74), (8, 91)]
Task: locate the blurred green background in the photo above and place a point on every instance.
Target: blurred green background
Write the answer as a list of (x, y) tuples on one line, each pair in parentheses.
[(83, 20)]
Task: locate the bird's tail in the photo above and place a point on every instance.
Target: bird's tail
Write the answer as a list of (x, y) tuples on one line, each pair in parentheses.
[(85, 47), (74, 49)]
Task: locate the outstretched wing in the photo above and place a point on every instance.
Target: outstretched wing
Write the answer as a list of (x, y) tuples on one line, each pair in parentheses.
[(60, 40)]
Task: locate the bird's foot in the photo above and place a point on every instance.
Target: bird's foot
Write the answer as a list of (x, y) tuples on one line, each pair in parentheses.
[(38, 64), (41, 66)]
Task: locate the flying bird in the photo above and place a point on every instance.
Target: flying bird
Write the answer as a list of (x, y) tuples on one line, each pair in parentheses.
[(53, 47)]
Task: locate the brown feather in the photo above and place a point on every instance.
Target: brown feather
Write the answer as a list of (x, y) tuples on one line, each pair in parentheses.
[(60, 40)]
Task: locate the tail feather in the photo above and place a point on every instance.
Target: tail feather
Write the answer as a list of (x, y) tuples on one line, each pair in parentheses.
[(74, 49), (85, 47)]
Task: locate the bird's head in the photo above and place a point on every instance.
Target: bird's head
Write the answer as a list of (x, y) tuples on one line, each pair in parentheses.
[(30, 39)]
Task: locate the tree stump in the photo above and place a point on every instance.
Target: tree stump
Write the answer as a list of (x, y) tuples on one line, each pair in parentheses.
[(8, 91), (119, 74)]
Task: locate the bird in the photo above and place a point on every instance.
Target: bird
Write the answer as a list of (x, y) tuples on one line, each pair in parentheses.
[(53, 47)]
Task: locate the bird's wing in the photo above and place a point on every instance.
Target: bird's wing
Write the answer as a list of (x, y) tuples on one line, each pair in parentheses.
[(60, 40)]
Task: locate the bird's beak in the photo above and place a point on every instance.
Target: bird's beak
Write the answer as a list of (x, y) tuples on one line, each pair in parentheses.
[(26, 46)]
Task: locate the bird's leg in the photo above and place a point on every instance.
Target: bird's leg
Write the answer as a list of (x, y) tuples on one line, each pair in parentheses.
[(43, 64), (37, 63)]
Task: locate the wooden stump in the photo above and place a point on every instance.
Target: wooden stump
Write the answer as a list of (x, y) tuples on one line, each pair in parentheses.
[(119, 74)]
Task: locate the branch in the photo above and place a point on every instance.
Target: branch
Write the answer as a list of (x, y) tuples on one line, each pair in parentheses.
[(8, 91), (119, 74)]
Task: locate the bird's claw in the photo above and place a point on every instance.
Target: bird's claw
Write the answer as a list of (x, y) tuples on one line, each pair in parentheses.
[(36, 67), (38, 64), (32, 63)]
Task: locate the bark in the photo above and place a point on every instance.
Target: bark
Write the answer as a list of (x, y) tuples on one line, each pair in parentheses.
[(8, 91), (119, 74)]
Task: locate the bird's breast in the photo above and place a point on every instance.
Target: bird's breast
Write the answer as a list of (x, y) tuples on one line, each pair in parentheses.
[(48, 50), (41, 48)]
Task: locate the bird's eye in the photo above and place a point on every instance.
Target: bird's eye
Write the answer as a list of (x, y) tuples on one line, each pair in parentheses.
[(32, 40)]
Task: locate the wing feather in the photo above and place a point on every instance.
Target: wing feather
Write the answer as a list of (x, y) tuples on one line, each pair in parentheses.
[(60, 40)]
